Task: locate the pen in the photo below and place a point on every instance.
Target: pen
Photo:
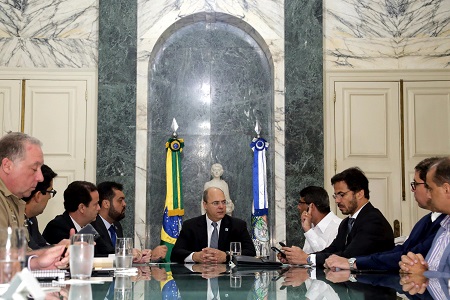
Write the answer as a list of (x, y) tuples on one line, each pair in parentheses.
[(64, 253)]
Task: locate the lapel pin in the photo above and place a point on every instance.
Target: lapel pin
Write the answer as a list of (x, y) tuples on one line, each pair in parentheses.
[(226, 229)]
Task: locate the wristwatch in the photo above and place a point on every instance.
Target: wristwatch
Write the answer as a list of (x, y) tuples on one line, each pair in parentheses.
[(351, 262)]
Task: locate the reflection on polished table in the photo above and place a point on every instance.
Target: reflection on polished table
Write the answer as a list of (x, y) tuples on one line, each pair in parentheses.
[(196, 281)]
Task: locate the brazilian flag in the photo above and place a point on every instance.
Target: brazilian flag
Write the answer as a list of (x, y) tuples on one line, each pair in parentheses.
[(173, 210)]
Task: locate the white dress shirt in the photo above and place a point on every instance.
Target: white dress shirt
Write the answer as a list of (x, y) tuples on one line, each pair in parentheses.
[(321, 235)]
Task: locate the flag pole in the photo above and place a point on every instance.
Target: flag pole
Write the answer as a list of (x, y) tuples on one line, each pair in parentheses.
[(260, 207), (173, 209)]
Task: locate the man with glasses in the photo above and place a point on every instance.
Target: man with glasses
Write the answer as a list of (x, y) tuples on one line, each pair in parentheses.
[(319, 223), (35, 205), (365, 231), (420, 239), (205, 239)]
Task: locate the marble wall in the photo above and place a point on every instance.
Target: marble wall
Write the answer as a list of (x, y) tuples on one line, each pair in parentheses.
[(216, 81), (380, 34), (116, 142), (48, 34), (157, 22)]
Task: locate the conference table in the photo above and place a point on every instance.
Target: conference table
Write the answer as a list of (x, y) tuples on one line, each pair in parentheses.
[(175, 281)]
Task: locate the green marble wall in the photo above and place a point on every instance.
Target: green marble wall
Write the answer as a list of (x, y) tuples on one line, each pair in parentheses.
[(116, 143), (304, 106)]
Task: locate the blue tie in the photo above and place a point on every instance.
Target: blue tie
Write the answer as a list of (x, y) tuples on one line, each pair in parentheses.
[(112, 230)]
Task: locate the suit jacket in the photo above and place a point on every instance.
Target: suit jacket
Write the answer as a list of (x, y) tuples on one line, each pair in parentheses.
[(36, 241), (58, 228), (370, 233), (419, 241), (194, 237), (103, 245)]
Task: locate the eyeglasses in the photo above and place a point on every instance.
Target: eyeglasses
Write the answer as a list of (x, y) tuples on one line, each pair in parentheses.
[(414, 185), (217, 203), (52, 192), (302, 202), (340, 195)]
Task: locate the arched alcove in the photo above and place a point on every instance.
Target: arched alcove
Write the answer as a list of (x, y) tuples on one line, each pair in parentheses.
[(214, 74)]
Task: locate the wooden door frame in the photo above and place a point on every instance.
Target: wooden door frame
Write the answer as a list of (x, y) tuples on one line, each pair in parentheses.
[(88, 75)]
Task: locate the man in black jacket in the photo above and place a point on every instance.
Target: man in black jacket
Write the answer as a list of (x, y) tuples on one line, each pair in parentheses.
[(112, 210), (365, 231), (195, 241)]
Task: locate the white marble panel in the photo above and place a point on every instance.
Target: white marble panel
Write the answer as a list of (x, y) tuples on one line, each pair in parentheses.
[(49, 34), (156, 20), (385, 34)]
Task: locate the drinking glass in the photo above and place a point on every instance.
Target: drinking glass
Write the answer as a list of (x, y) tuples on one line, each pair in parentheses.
[(80, 291), (235, 248), (81, 256), (122, 287), (235, 281), (12, 252), (124, 253)]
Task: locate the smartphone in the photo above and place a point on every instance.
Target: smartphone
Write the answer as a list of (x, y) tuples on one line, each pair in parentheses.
[(279, 251), (282, 244)]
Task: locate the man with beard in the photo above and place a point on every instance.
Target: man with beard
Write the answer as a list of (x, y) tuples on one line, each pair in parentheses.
[(112, 210), (420, 239), (364, 232)]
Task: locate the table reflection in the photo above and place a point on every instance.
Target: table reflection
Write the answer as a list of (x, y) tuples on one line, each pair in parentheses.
[(196, 281)]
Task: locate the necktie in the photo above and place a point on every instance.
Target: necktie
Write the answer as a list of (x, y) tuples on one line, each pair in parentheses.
[(350, 224), (214, 287), (214, 243), (112, 230)]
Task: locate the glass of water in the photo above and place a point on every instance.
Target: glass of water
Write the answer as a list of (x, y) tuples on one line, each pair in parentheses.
[(81, 256), (235, 248), (12, 252), (124, 253)]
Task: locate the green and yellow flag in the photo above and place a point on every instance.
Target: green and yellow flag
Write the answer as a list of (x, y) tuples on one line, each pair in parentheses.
[(173, 210)]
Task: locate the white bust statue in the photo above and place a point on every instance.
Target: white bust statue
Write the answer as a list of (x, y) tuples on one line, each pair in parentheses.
[(216, 181)]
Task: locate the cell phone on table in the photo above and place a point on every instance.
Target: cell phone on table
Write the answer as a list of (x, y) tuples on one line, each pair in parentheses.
[(279, 251)]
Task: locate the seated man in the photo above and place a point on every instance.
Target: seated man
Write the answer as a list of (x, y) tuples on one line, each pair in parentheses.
[(438, 257), (419, 241), (112, 210), (81, 208), (319, 223), (206, 238), (35, 206), (366, 231)]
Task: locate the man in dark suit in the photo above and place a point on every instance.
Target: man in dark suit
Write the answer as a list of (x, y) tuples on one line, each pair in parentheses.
[(35, 205), (81, 208), (198, 241), (420, 239), (366, 231), (112, 210)]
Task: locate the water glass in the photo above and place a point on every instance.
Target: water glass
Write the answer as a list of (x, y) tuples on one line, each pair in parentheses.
[(124, 253), (81, 291), (235, 248), (122, 287), (235, 281), (13, 245), (81, 256)]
